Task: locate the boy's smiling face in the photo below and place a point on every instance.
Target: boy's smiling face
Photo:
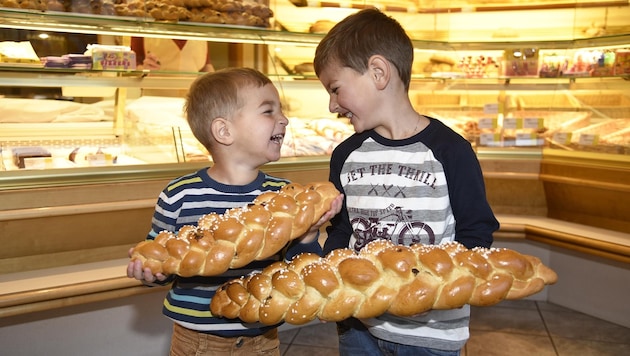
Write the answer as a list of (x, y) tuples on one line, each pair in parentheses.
[(259, 126), (351, 94)]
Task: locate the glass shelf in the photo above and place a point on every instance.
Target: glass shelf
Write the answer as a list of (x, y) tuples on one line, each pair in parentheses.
[(147, 27), (53, 77)]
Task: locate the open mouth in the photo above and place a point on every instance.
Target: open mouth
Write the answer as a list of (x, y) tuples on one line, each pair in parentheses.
[(346, 115), (277, 138)]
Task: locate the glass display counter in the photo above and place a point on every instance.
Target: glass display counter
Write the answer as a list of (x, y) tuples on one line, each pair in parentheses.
[(517, 90), (573, 96)]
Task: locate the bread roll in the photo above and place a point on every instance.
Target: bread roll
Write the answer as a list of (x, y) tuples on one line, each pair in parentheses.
[(382, 278), (321, 26), (240, 235)]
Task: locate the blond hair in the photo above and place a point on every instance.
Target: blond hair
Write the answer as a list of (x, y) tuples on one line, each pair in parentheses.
[(215, 95)]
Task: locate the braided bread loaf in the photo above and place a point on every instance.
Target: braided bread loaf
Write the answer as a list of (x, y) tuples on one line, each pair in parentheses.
[(240, 235), (382, 278)]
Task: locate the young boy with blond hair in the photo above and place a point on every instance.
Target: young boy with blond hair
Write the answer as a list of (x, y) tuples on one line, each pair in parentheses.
[(236, 114)]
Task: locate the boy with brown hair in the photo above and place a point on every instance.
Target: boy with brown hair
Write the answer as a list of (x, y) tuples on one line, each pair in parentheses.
[(236, 114), (406, 177)]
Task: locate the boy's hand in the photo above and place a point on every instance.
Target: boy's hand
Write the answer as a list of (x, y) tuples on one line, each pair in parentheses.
[(335, 208), (135, 270)]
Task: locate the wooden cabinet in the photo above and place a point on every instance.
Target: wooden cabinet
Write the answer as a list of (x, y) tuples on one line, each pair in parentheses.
[(58, 216)]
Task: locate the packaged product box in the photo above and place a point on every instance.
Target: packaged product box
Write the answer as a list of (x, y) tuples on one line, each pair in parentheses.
[(18, 54), (622, 62), (31, 157), (521, 62), (113, 60), (553, 65), (112, 57), (489, 132), (584, 63), (605, 64)]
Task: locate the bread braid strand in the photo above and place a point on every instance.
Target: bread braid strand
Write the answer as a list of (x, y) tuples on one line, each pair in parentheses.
[(239, 236), (382, 278)]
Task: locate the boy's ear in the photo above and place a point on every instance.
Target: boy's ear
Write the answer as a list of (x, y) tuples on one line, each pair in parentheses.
[(220, 129), (380, 70)]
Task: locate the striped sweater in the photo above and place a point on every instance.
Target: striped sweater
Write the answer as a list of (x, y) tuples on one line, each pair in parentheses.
[(424, 189), (183, 202)]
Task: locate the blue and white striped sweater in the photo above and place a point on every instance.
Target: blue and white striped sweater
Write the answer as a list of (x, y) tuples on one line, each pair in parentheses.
[(183, 202)]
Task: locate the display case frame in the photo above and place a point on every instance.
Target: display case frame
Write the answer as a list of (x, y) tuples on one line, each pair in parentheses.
[(435, 86)]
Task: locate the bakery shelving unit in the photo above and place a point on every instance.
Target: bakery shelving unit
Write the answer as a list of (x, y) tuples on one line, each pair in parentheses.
[(91, 215), (437, 88)]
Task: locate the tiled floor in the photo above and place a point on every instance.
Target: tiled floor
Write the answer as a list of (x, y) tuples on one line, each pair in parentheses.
[(511, 328)]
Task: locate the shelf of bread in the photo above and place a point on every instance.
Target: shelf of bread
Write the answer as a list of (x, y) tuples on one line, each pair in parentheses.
[(443, 25), (606, 136), (158, 130), (46, 134), (119, 25), (574, 122), (232, 12), (437, 6), (531, 67), (288, 23), (525, 62)]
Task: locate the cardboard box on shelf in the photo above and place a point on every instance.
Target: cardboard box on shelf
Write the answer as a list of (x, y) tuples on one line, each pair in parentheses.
[(622, 62), (521, 62)]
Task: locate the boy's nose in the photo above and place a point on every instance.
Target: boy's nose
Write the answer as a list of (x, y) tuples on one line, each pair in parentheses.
[(333, 107), (284, 120)]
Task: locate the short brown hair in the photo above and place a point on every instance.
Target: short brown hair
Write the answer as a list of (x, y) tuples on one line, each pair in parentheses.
[(355, 39), (215, 95)]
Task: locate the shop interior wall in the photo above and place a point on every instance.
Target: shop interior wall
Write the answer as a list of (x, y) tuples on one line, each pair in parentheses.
[(128, 326)]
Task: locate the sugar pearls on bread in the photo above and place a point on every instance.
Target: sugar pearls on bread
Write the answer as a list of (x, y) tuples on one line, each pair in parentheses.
[(382, 278), (240, 235)]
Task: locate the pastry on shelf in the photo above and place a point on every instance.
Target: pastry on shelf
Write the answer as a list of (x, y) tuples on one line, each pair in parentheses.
[(21, 155), (321, 26)]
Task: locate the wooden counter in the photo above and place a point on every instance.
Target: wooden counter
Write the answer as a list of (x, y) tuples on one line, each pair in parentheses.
[(33, 291), (65, 240)]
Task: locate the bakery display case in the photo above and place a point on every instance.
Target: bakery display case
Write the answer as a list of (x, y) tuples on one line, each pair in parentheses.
[(500, 84), (543, 102), (534, 87)]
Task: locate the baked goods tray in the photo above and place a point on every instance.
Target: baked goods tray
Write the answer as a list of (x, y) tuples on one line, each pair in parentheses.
[(437, 6), (299, 19)]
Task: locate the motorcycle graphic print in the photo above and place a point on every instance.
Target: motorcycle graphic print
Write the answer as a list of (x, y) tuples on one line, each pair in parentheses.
[(394, 225)]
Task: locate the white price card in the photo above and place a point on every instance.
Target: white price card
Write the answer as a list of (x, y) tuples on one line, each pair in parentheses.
[(491, 108), (533, 123), (512, 123), (563, 138), (489, 139), (38, 162), (527, 139), (588, 139), (487, 123)]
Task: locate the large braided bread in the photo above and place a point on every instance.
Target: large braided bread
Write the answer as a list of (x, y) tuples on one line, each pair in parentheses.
[(382, 278), (240, 235)]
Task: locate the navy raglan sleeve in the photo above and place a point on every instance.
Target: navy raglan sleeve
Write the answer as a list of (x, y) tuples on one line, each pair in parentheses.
[(475, 221), (340, 230)]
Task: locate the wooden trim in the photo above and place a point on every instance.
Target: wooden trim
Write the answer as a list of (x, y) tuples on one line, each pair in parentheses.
[(578, 248), (585, 244), (31, 213), (73, 300), (511, 175), (620, 187), (47, 294), (100, 290)]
